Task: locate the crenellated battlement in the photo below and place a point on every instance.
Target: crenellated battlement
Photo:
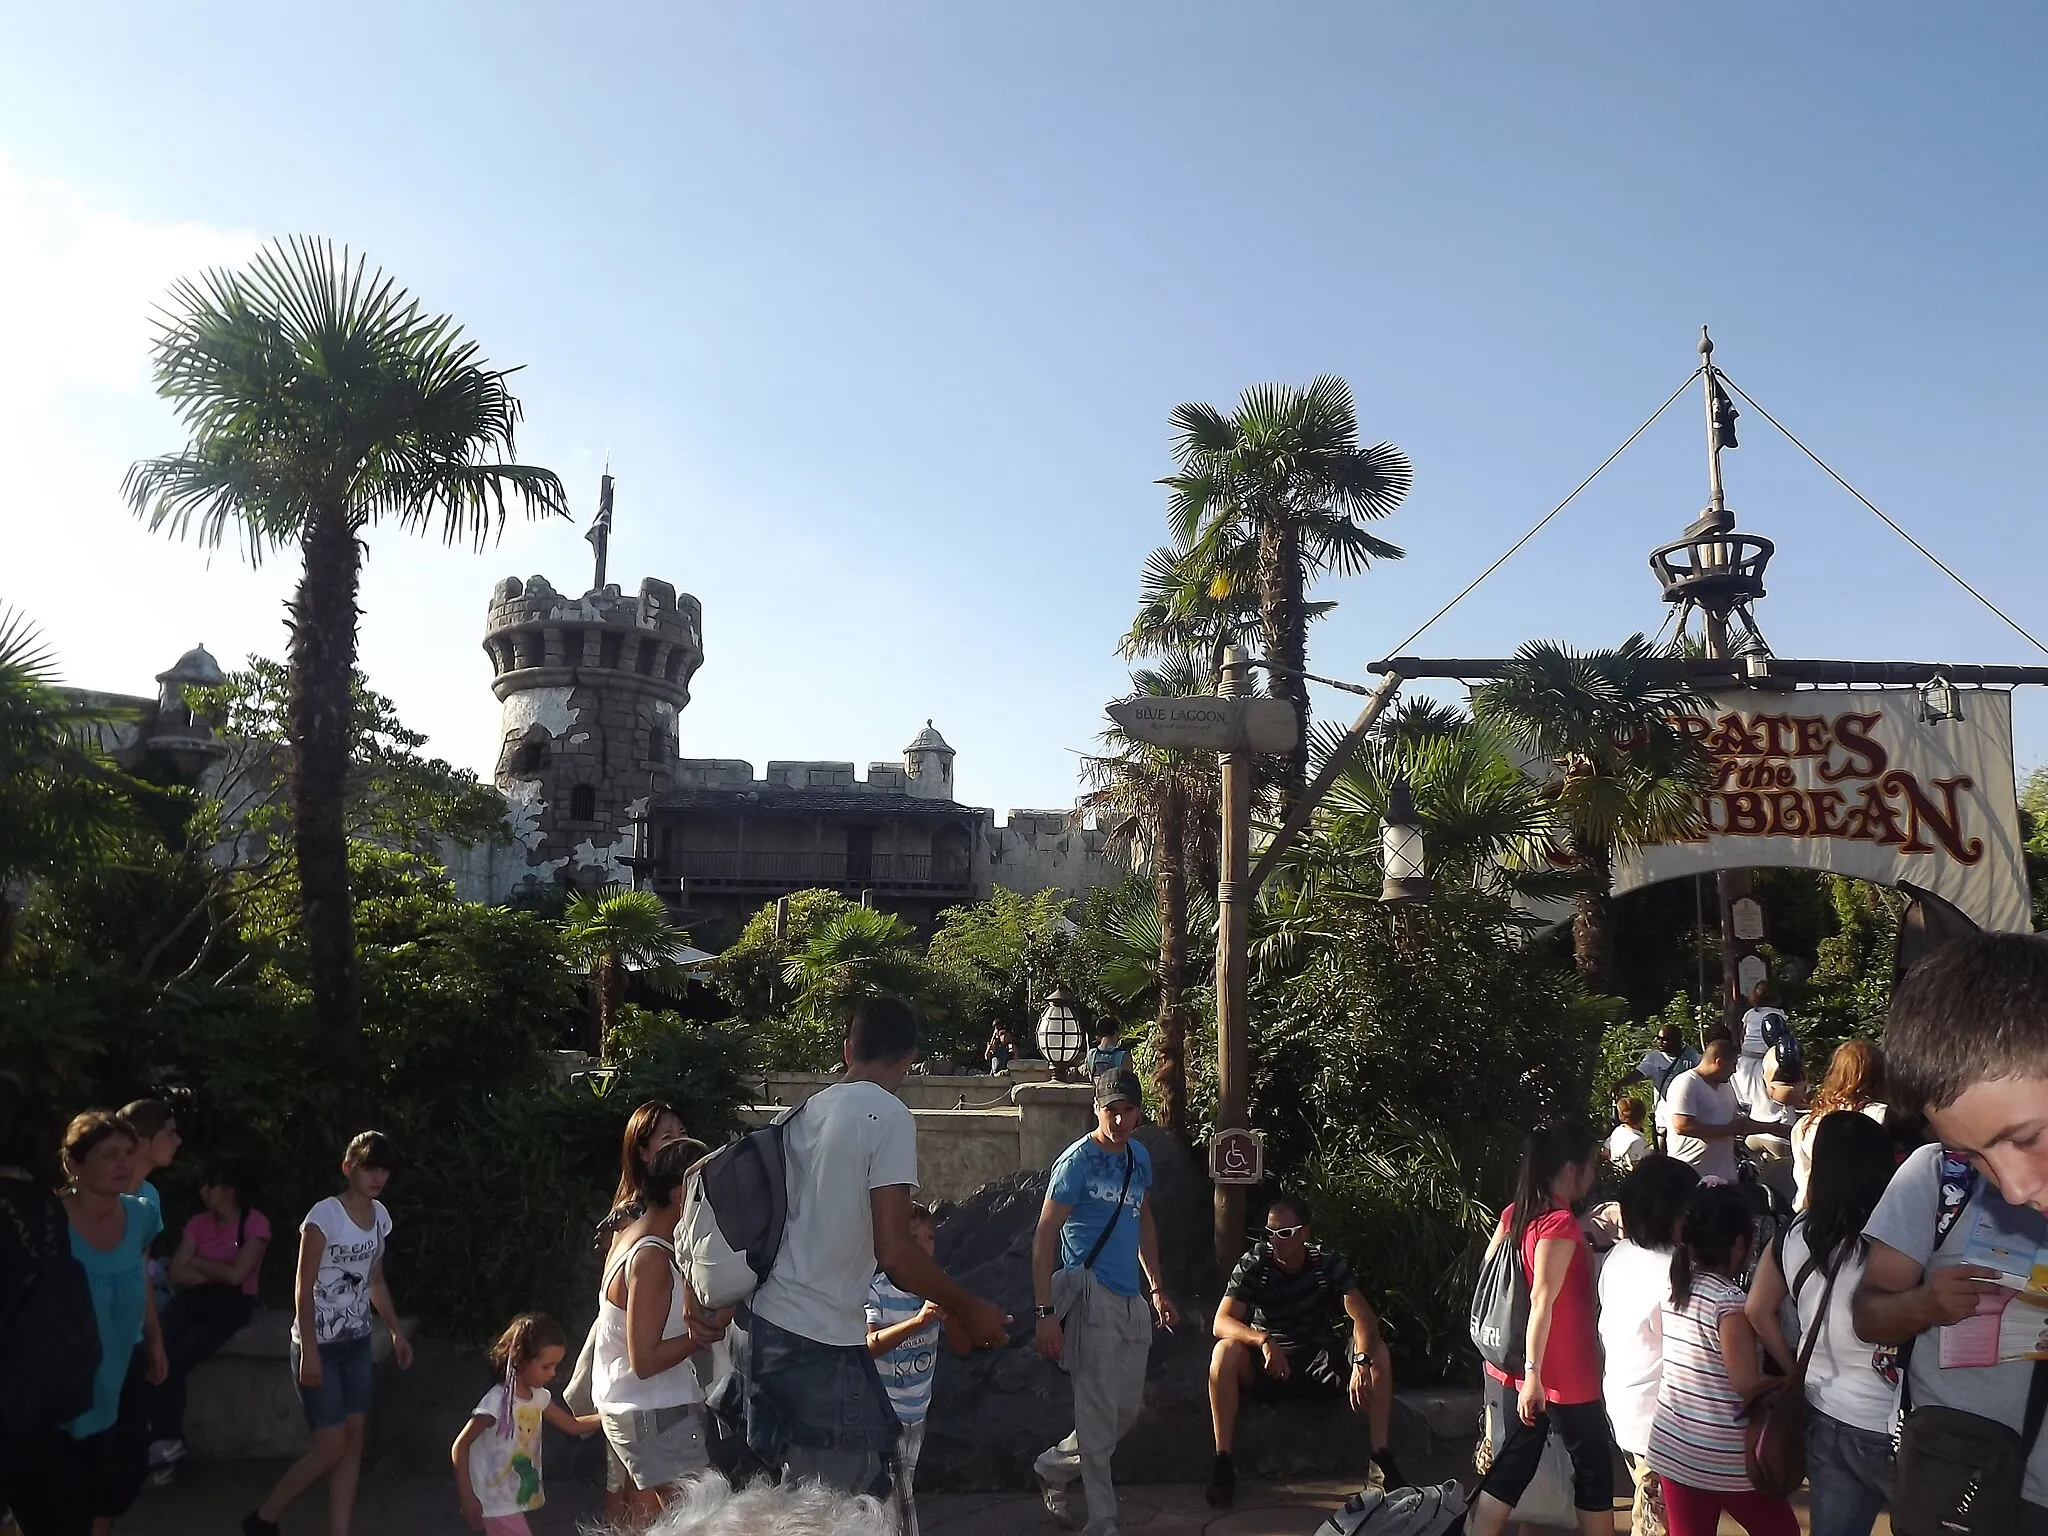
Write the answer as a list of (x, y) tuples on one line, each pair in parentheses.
[(537, 637)]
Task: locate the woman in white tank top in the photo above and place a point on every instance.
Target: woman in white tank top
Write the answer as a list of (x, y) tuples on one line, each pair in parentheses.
[(643, 1382)]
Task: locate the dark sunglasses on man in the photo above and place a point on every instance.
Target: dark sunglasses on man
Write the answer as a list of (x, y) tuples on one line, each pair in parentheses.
[(1278, 1233)]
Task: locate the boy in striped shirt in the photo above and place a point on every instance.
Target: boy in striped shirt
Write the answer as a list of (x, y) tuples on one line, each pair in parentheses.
[(903, 1336)]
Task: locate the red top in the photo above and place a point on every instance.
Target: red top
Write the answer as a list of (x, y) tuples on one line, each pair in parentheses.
[(1571, 1355)]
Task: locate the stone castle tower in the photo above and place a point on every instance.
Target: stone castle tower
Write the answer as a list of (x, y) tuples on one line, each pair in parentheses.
[(590, 689)]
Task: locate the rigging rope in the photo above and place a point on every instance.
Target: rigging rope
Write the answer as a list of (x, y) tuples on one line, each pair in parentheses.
[(1933, 559), (1545, 519)]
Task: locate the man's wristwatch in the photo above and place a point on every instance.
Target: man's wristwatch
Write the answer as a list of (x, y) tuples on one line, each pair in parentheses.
[(1041, 1312), (1360, 1357)]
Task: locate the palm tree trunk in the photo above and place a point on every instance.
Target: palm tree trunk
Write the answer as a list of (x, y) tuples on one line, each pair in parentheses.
[(1593, 925), (1170, 893), (610, 990), (1281, 611), (320, 707)]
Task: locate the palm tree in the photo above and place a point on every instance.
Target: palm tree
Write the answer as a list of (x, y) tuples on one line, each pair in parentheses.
[(1492, 830), (1198, 601), (1284, 482), (62, 802), (1166, 802), (321, 400), (610, 931), (856, 954), (1619, 773)]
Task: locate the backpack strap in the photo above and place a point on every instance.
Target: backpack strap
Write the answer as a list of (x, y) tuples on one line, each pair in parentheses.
[(1957, 1187), (1130, 1162)]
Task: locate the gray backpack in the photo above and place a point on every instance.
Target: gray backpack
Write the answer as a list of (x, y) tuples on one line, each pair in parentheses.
[(735, 1205), (1500, 1308), (1430, 1511)]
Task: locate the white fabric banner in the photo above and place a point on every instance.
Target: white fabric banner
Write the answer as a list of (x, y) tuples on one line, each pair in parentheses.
[(1853, 782)]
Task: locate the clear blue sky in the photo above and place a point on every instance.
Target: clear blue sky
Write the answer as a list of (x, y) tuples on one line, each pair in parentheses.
[(880, 311)]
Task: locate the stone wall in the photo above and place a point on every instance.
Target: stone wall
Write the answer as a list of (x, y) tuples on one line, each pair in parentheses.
[(1047, 851), (1006, 1128)]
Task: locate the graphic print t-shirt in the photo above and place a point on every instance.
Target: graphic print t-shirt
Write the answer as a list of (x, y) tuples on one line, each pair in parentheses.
[(341, 1289), (1087, 1178), (505, 1469), (907, 1369)]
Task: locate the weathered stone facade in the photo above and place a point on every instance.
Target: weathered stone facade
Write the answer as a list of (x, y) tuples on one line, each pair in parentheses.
[(591, 688)]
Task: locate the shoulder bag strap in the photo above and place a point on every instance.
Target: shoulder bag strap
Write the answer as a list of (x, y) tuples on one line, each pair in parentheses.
[(1109, 1226), (1827, 1293), (2037, 1407)]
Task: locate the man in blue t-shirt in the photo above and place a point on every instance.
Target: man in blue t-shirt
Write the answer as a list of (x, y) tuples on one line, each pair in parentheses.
[(1096, 1281)]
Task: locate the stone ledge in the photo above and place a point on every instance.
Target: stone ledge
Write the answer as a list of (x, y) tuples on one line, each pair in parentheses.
[(243, 1401)]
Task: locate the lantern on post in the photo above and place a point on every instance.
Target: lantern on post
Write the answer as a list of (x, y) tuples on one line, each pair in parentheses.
[(1403, 854), (1060, 1034)]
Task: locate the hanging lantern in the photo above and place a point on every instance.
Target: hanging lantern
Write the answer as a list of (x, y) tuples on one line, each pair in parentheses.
[(1403, 854), (1939, 701)]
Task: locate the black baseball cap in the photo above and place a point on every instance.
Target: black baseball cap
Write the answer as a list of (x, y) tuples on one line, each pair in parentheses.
[(1122, 1084)]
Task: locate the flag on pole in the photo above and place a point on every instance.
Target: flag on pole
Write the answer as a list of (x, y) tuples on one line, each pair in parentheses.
[(600, 530), (1724, 417)]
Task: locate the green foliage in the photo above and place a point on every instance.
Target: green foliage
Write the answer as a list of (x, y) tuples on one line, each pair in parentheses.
[(308, 379), (748, 972), (1849, 993), (63, 803), (994, 961), (851, 957), (1402, 1203), (2034, 832)]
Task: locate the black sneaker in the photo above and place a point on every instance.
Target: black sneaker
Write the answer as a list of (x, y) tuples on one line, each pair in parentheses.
[(1222, 1489), (253, 1524)]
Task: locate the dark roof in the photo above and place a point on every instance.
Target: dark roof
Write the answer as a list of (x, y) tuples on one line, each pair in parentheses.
[(809, 802)]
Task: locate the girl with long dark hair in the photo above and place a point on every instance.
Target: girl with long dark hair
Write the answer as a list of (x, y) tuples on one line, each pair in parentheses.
[(1849, 1405), (1710, 1371), (1562, 1379)]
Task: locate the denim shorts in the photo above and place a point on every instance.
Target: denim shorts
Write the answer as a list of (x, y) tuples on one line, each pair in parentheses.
[(344, 1390)]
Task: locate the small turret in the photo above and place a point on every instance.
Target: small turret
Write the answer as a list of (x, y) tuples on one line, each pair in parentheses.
[(176, 735), (928, 764)]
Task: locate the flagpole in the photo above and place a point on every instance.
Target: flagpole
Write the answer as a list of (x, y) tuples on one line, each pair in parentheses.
[(600, 534)]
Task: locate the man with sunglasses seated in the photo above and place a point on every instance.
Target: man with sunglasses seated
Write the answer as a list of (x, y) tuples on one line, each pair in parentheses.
[(1281, 1332)]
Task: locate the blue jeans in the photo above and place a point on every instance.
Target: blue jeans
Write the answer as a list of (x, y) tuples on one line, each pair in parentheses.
[(812, 1410), (1851, 1473)]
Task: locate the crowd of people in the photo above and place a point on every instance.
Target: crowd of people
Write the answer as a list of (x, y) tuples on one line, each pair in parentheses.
[(1751, 1261), (1760, 1255)]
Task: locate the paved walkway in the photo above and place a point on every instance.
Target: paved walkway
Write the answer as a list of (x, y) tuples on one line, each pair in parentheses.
[(211, 1498)]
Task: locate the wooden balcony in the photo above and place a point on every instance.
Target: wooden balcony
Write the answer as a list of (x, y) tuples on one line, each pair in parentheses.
[(779, 872)]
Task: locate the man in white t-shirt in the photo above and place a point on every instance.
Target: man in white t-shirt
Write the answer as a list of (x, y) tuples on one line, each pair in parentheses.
[(1705, 1117), (813, 1404), (1660, 1068)]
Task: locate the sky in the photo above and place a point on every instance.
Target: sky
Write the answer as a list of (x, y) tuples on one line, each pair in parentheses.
[(880, 312)]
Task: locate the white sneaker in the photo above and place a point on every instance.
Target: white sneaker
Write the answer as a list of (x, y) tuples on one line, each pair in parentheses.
[(1059, 1503), (160, 1477), (163, 1452)]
